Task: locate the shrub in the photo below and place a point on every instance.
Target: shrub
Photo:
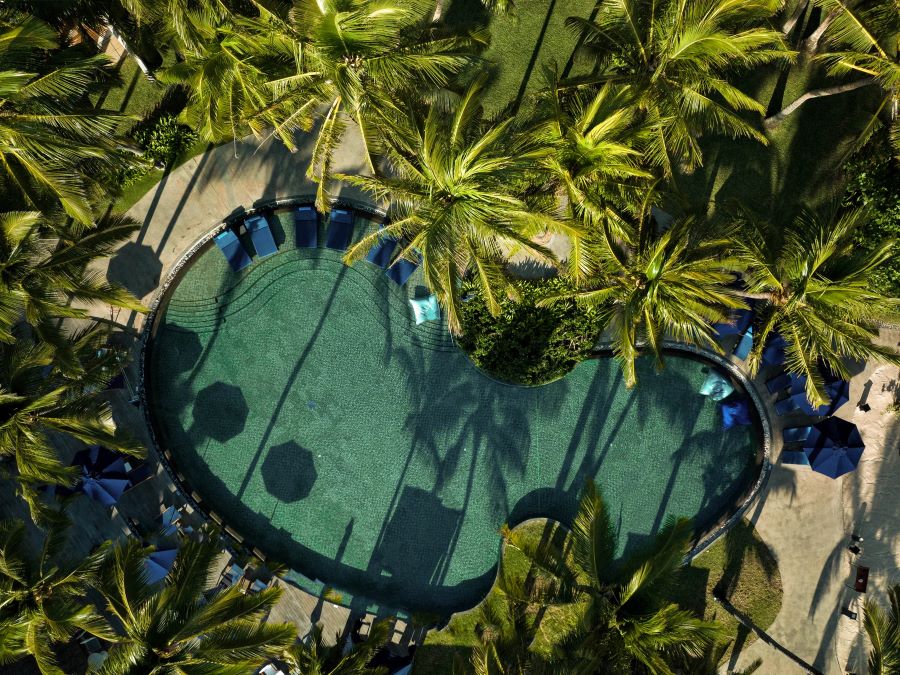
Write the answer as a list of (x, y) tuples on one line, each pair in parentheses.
[(873, 181), (165, 139), (527, 344)]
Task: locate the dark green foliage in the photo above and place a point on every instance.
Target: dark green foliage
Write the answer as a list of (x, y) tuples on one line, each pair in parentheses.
[(873, 181), (165, 139), (527, 344)]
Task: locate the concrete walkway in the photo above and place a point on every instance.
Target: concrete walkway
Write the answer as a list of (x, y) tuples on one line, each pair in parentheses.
[(806, 518)]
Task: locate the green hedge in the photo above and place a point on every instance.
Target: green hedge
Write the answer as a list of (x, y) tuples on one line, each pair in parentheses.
[(527, 344), (873, 181)]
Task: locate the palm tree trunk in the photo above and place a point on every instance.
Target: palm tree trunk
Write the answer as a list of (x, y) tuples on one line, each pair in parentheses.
[(788, 25), (811, 43), (778, 117)]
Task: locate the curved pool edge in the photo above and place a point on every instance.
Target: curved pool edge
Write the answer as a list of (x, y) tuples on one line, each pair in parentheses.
[(182, 488)]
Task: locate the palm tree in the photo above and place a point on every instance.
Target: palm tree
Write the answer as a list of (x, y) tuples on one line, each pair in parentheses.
[(617, 609), (48, 142), (883, 629), (861, 41), (453, 200), (506, 630), (42, 600), (313, 656), (815, 292), (596, 162), (40, 401), (45, 266), (171, 628), (673, 58), (671, 283)]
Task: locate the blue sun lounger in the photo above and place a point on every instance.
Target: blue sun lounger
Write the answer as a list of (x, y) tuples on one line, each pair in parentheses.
[(794, 457), (786, 406), (380, 253), (779, 382), (261, 236), (740, 320), (231, 248), (744, 345), (401, 271), (340, 230), (795, 434), (306, 227)]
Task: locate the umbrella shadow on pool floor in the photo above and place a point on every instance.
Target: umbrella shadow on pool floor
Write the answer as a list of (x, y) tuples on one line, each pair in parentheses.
[(289, 472)]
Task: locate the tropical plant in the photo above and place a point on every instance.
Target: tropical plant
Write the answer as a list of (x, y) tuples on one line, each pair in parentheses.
[(39, 401), (42, 598), (883, 629), (506, 631), (668, 283), (595, 160), (616, 609), (314, 656), (48, 139), (813, 287), (861, 39), (170, 627), (46, 266), (453, 201), (673, 58)]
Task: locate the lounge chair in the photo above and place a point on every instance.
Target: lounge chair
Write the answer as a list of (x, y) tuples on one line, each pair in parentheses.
[(401, 271), (232, 249), (261, 236), (738, 325), (744, 345), (340, 230), (794, 457), (380, 253), (779, 382), (795, 434), (786, 406), (306, 227), (258, 586)]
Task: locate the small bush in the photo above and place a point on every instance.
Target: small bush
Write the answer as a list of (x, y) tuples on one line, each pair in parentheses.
[(873, 181), (527, 344), (164, 140)]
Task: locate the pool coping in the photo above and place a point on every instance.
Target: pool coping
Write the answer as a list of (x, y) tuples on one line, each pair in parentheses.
[(173, 275)]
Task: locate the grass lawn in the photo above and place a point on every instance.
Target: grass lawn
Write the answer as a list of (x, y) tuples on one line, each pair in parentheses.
[(133, 94), (520, 43), (739, 567)]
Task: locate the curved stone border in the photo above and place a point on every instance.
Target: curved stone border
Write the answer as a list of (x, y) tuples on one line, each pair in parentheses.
[(263, 206)]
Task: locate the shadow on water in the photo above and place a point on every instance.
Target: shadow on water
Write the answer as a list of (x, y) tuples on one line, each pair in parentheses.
[(220, 412), (289, 472)]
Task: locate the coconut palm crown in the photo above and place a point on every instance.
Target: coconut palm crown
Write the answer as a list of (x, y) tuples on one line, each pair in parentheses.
[(171, 628), (673, 56), (816, 293), (453, 200)]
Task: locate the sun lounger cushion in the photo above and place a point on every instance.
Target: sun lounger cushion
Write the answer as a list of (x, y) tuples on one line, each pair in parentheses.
[(716, 386), (779, 382), (794, 457), (380, 254), (231, 248), (306, 227), (744, 345), (786, 406), (425, 309), (261, 236), (340, 230), (401, 271), (740, 320), (735, 412), (795, 434)]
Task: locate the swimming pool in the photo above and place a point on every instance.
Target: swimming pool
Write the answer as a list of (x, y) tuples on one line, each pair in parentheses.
[(301, 402)]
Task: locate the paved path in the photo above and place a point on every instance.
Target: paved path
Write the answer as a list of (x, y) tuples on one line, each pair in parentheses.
[(806, 518)]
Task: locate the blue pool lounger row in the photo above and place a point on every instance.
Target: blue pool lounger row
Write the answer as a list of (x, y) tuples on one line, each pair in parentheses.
[(261, 236)]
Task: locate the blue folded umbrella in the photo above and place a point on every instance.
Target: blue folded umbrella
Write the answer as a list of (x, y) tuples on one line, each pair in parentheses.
[(744, 345), (231, 248), (380, 253), (306, 227), (795, 434), (738, 323), (340, 230), (261, 236), (834, 447)]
